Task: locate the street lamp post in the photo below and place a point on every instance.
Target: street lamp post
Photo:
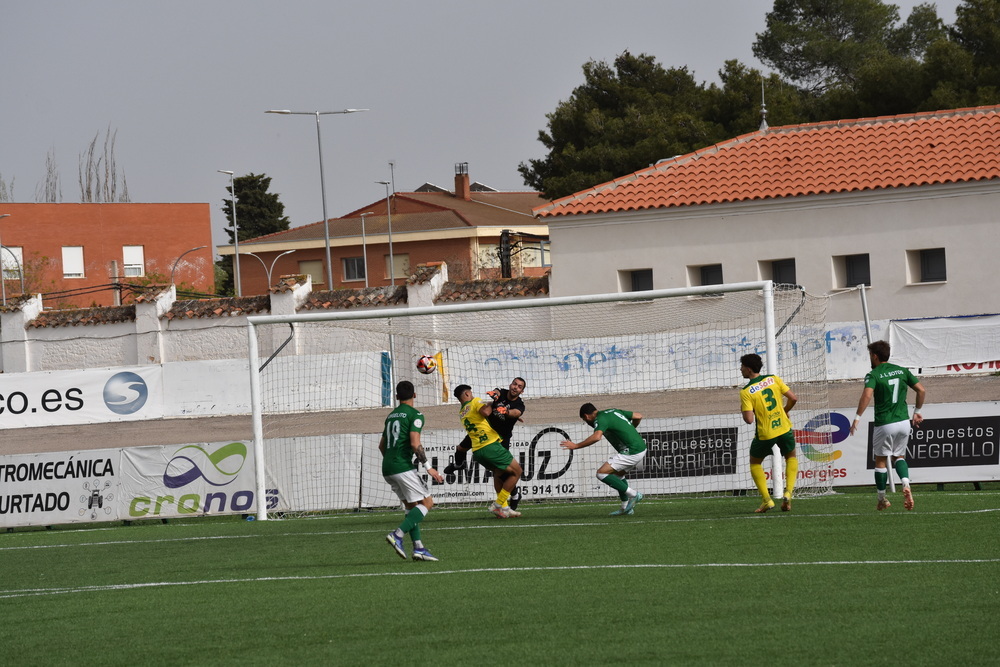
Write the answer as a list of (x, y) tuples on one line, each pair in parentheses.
[(236, 232), (177, 261), (322, 183), (3, 279), (388, 209), (364, 245), (273, 262)]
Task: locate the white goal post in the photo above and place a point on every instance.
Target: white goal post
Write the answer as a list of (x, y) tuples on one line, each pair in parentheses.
[(321, 385)]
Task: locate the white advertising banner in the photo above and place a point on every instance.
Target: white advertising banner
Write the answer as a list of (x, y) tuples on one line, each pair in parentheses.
[(185, 480), (957, 442), (945, 341), (81, 397), (126, 484), (60, 488)]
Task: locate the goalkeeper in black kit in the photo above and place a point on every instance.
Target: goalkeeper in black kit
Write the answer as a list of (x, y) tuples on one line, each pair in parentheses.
[(507, 410)]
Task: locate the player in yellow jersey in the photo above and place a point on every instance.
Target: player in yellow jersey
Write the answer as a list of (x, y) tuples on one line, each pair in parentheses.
[(487, 448), (767, 400)]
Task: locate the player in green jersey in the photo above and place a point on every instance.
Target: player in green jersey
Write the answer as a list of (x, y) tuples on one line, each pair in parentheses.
[(766, 399), (887, 383), (399, 444), (618, 426), (488, 450)]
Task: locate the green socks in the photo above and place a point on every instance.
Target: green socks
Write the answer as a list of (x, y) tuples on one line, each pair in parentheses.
[(413, 517), (618, 484)]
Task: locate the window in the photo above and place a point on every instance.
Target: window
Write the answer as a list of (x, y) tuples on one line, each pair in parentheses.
[(926, 266), (707, 274), (402, 265), (858, 270), (354, 268), (314, 269), (12, 261), (637, 280), (72, 260), (535, 253), (783, 272), (851, 271), (135, 263), (711, 274)]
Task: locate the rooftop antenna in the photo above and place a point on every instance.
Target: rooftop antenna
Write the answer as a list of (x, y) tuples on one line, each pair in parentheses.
[(763, 108), (392, 175)]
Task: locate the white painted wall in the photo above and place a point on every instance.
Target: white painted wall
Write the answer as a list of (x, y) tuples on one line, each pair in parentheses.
[(589, 251)]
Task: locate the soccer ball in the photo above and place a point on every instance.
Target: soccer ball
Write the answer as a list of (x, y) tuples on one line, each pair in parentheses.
[(426, 364)]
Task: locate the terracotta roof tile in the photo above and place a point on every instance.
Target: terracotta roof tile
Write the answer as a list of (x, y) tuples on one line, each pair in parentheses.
[(423, 273), (149, 293), (484, 290), (191, 309), (501, 209), (822, 158), (83, 317), (365, 297), (288, 283)]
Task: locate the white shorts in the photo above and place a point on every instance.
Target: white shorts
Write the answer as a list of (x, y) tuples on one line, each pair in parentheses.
[(891, 439), (409, 486), (626, 462)]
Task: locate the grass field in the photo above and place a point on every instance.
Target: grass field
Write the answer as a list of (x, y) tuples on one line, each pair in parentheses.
[(683, 581)]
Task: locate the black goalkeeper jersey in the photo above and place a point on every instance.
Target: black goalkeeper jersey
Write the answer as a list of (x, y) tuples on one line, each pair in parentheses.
[(501, 423)]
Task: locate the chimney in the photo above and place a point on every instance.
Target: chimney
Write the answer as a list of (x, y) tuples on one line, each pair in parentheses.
[(462, 190)]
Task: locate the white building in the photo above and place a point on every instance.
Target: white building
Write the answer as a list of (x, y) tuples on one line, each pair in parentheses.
[(909, 205)]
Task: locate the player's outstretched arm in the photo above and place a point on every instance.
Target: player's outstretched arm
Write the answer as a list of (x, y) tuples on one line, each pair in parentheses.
[(569, 444)]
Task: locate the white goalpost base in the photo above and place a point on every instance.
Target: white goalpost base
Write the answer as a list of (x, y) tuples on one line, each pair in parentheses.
[(322, 383)]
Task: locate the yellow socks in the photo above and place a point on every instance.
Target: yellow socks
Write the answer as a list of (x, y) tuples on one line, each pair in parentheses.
[(791, 474), (503, 497), (760, 479)]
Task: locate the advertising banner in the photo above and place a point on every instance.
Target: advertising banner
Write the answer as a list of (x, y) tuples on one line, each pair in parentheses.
[(60, 488), (81, 397), (944, 341), (184, 480), (956, 443), (126, 484)]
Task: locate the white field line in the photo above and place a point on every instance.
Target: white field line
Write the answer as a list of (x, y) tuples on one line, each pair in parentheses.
[(505, 524), (35, 592)]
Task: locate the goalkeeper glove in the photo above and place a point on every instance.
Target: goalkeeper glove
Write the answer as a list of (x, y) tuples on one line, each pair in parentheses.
[(500, 410), (494, 394)]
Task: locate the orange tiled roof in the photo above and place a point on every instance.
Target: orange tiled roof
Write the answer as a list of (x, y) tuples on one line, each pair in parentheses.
[(486, 290), (73, 317), (231, 306), (837, 156), (362, 297), (484, 209)]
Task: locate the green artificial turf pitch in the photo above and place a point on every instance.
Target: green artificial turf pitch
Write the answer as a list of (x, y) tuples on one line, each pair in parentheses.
[(682, 581)]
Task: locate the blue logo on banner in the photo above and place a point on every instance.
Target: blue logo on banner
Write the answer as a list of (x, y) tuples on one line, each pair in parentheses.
[(125, 393)]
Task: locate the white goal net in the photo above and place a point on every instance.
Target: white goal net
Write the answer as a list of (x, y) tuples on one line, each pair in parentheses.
[(323, 383)]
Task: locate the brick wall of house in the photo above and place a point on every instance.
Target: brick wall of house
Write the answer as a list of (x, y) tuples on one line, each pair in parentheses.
[(165, 231)]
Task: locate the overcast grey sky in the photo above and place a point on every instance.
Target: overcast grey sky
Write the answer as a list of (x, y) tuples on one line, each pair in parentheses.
[(185, 84)]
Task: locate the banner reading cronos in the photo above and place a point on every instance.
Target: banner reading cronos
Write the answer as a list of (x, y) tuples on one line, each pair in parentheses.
[(186, 480)]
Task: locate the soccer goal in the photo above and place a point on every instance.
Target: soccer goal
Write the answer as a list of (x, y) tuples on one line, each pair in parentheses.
[(323, 383)]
